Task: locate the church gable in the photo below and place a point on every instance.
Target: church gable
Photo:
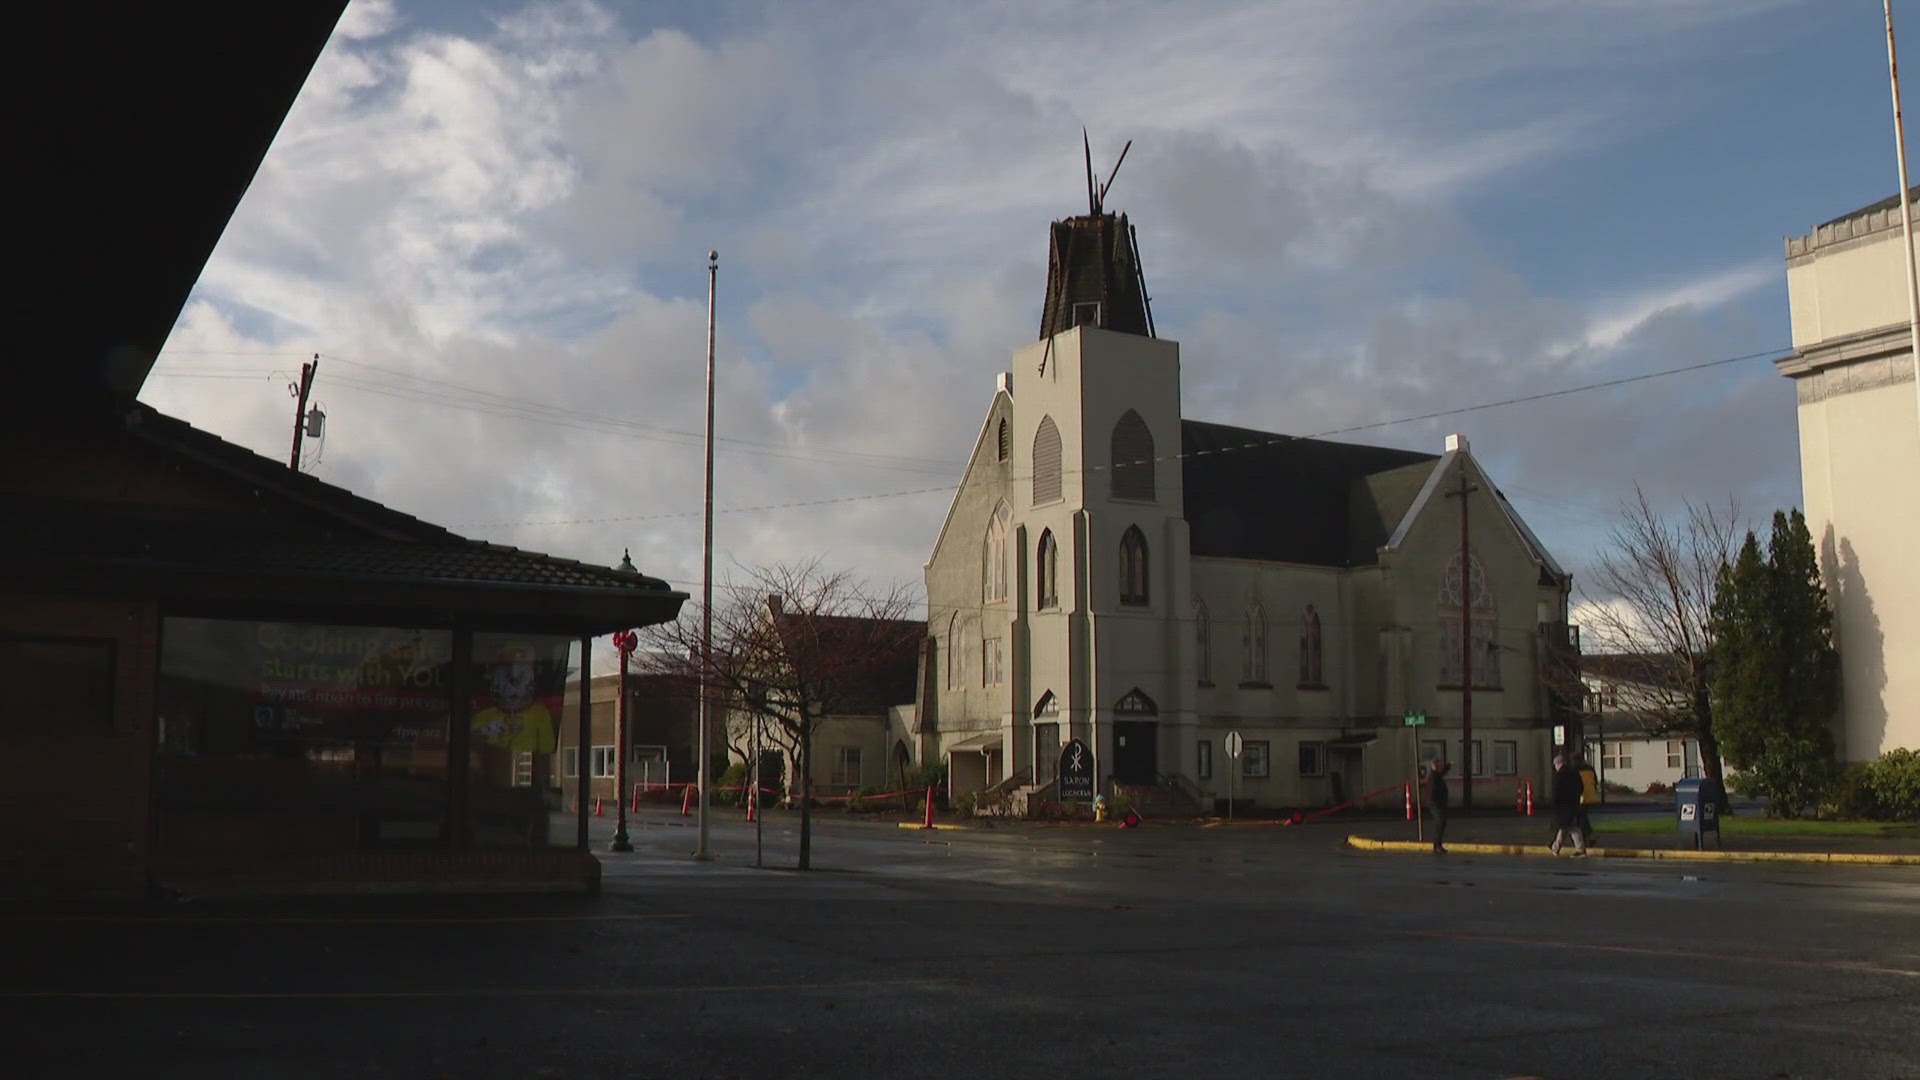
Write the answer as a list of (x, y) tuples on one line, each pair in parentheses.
[(986, 480)]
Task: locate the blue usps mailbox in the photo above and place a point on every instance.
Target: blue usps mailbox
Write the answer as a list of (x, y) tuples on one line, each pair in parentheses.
[(1697, 806)]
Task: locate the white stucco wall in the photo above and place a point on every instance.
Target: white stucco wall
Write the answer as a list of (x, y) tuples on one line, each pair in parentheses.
[(1859, 427)]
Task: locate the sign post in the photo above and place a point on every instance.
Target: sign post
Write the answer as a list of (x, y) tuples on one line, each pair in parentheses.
[(1234, 745), (1415, 718)]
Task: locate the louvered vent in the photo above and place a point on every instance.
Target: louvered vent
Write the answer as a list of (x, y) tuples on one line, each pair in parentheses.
[(1046, 462)]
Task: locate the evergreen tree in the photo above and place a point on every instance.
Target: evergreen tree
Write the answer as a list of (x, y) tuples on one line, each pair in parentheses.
[(1776, 678)]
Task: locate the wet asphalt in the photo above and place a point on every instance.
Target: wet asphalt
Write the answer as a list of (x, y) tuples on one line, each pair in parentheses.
[(1012, 951)]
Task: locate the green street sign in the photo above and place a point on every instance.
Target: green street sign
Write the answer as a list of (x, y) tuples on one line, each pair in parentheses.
[(1415, 717)]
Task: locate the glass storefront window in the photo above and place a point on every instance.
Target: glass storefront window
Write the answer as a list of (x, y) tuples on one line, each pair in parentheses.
[(519, 682), (310, 737)]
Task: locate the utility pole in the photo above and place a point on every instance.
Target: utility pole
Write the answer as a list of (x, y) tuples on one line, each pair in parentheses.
[(307, 373), (1466, 635), (706, 579)]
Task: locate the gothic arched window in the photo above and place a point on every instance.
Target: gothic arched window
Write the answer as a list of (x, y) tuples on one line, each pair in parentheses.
[(1046, 462), (1001, 443), (1132, 456), (1133, 567), (1470, 591), (1311, 670), (1202, 644), (993, 556), (1253, 665), (1047, 570), (954, 672)]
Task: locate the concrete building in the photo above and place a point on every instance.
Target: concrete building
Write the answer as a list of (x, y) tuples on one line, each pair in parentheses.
[(1114, 572), (1853, 374)]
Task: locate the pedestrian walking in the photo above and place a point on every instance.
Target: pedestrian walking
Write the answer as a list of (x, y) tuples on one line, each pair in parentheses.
[(1589, 787), (1566, 807), (1437, 803)]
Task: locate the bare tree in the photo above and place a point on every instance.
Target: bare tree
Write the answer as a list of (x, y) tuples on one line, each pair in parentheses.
[(1650, 607), (796, 646)]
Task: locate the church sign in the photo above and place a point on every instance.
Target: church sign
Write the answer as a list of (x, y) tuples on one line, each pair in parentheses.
[(1076, 771)]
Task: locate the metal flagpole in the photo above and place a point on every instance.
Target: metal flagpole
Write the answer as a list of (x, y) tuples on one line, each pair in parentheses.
[(706, 577), (759, 848), (1906, 212)]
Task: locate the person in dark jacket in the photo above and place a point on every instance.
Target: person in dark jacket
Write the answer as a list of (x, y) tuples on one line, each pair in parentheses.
[(1437, 803), (1566, 807)]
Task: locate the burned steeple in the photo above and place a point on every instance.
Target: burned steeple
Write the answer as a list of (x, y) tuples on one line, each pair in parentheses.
[(1093, 269)]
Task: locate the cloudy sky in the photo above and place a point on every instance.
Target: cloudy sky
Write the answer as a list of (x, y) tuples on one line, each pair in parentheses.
[(491, 221)]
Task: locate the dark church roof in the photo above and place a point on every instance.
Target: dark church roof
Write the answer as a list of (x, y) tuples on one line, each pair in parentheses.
[(1092, 260), (1258, 495)]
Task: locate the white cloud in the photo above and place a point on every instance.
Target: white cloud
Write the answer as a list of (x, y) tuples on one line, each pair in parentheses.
[(518, 212)]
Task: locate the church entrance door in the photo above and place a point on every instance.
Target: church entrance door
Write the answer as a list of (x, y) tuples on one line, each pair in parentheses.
[(1136, 758)]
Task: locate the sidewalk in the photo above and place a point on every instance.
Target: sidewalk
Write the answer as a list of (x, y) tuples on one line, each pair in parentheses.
[(1513, 834)]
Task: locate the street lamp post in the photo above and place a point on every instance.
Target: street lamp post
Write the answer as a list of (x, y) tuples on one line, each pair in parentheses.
[(624, 641)]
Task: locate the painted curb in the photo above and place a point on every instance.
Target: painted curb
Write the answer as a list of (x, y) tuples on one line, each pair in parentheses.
[(936, 825), (1362, 843)]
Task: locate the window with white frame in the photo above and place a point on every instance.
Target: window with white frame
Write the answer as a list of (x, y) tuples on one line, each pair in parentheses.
[(992, 662), (1506, 757), (1616, 755), (1313, 757), (1476, 753), (570, 761), (604, 762), (1432, 750), (846, 766), (1676, 754), (1253, 661), (1203, 762), (1255, 759)]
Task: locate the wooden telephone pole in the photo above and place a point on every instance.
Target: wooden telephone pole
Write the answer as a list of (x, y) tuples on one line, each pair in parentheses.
[(1466, 637), (307, 373)]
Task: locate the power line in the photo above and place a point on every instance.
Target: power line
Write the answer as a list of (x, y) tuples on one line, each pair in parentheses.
[(452, 395), (1277, 440)]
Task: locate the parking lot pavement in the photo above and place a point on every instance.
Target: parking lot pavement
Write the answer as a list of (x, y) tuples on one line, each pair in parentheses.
[(1001, 952)]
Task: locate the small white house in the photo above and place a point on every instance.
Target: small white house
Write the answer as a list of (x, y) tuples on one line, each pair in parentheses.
[(1630, 733)]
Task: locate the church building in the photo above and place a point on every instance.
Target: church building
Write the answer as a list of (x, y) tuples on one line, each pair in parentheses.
[(1114, 572)]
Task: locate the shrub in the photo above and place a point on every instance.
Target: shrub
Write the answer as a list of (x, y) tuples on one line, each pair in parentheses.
[(734, 777), (1658, 788), (1614, 787), (1884, 789), (863, 801)]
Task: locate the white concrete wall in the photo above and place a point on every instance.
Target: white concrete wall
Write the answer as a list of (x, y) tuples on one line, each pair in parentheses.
[(1859, 427)]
